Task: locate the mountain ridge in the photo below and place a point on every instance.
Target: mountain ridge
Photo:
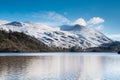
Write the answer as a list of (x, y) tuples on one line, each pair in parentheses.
[(59, 38)]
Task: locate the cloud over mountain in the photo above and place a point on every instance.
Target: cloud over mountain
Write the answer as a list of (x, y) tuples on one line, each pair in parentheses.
[(95, 20), (52, 17), (92, 21), (99, 27), (80, 21), (3, 22)]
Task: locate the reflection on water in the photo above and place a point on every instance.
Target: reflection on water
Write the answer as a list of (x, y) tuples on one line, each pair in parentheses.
[(60, 67)]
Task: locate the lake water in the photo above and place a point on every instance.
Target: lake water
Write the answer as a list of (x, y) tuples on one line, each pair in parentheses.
[(62, 66)]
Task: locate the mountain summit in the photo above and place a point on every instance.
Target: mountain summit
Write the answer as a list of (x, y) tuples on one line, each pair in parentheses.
[(15, 23), (76, 27), (86, 33)]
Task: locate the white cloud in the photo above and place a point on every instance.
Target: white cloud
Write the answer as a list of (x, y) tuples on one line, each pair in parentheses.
[(57, 28), (95, 20), (52, 16), (3, 22), (99, 27), (114, 36), (53, 19), (80, 21)]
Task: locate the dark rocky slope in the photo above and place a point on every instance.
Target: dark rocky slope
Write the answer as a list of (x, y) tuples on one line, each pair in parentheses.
[(108, 47), (20, 42)]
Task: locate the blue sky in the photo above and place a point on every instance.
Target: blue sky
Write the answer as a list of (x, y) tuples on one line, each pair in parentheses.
[(106, 12)]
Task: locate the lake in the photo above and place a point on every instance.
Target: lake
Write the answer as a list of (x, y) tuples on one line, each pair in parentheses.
[(59, 66)]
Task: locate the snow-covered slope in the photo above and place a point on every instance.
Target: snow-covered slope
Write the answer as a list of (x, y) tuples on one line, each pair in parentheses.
[(86, 33), (77, 36)]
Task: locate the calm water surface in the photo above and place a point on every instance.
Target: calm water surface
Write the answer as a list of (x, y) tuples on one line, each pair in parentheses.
[(60, 67)]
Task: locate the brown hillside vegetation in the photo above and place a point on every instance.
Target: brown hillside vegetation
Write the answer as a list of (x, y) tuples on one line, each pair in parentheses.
[(20, 42)]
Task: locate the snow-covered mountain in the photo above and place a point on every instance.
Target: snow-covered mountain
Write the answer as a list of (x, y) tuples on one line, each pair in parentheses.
[(86, 33), (67, 37)]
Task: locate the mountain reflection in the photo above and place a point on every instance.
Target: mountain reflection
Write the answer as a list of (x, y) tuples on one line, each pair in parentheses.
[(67, 67)]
